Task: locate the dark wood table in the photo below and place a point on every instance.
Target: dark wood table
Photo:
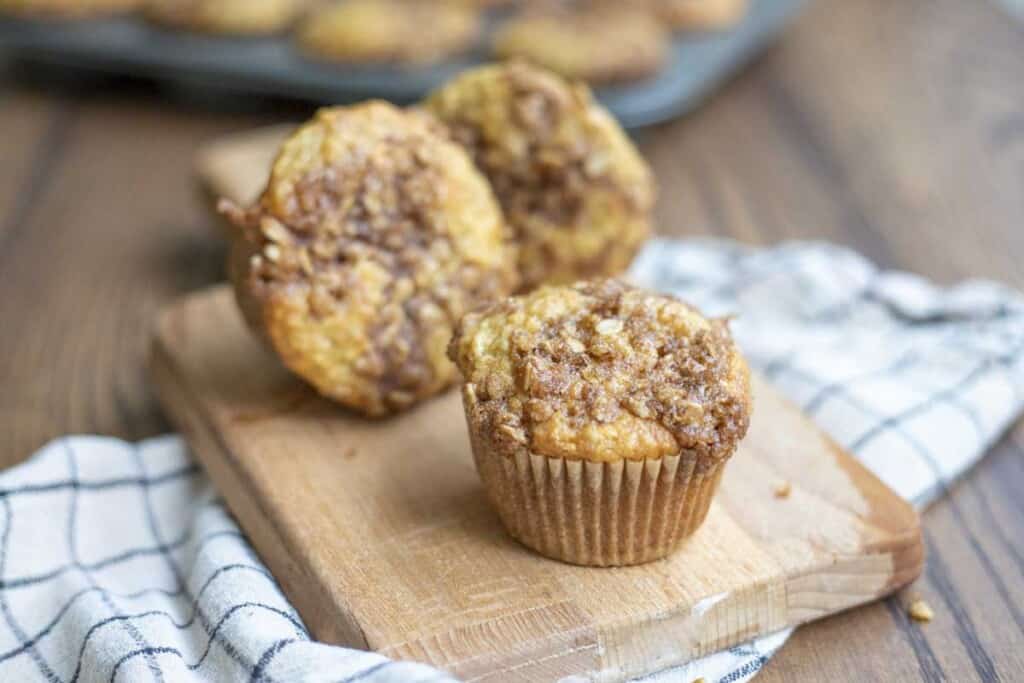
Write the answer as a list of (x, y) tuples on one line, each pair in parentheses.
[(894, 127)]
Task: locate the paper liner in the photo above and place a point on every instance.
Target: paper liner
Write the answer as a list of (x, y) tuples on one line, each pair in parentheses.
[(594, 513)]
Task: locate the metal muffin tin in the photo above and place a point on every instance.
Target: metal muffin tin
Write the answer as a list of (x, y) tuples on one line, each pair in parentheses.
[(272, 66)]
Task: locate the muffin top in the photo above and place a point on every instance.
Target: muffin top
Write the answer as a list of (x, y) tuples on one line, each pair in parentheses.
[(66, 9), (375, 234), (570, 182), (241, 17), (392, 31), (595, 42), (701, 14), (604, 371)]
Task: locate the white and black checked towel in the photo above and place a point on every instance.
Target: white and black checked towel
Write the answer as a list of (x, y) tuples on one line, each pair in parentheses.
[(117, 562)]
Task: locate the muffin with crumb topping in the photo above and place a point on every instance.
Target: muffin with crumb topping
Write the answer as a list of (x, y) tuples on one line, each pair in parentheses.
[(410, 32), (66, 9), (227, 17), (374, 236), (603, 42), (601, 417), (575, 191), (701, 15)]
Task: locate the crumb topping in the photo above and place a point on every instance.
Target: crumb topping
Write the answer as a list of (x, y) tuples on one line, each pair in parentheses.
[(920, 611), (571, 185), (605, 371), (374, 236)]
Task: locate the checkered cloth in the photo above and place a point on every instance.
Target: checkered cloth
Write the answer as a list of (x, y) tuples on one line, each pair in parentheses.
[(118, 563)]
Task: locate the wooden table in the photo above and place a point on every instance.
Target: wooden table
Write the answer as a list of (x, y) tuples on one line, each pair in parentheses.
[(894, 127)]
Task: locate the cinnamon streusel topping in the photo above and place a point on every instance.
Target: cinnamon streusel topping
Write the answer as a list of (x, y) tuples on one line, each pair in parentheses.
[(573, 188), (374, 236), (604, 371)]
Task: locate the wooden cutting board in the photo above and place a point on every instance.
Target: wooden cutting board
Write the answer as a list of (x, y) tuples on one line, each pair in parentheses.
[(380, 534)]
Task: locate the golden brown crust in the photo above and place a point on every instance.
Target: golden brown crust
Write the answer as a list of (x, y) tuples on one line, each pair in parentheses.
[(603, 372), (67, 9), (572, 186), (239, 17), (389, 31), (701, 14), (374, 236), (594, 42)]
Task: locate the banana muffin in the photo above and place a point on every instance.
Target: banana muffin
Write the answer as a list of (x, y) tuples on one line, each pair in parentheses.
[(374, 236), (389, 31), (594, 42), (237, 17), (601, 417), (575, 191), (701, 15), (66, 9)]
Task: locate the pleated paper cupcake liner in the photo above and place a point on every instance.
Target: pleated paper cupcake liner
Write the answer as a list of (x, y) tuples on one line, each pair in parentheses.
[(595, 513)]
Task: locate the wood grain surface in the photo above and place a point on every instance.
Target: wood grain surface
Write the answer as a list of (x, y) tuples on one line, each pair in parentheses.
[(380, 533), (894, 127)]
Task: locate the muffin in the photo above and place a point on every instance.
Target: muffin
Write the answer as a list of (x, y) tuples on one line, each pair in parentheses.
[(701, 15), (601, 417), (575, 191), (594, 42), (489, 4), (237, 17), (374, 236), (66, 9), (389, 31)]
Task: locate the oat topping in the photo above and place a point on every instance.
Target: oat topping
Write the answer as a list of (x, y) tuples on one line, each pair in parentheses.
[(374, 236), (603, 371), (920, 611), (571, 185)]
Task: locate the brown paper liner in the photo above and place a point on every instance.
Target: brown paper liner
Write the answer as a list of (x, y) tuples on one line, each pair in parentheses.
[(594, 513)]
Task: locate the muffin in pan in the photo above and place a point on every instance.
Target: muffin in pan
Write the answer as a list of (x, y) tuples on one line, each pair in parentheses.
[(234, 17), (574, 189), (601, 417), (374, 236), (595, 42), (389, 31), (489, 4), (67, 9), (701, 15)]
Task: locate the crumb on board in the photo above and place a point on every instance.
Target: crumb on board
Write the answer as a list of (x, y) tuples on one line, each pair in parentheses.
[(783, 489), (699, 680), (921, 611)]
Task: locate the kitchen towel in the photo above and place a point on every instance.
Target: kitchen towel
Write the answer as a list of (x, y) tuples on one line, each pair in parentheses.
[(119, 563)]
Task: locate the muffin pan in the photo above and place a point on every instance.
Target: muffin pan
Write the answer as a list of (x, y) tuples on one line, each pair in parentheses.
[(272, 66)]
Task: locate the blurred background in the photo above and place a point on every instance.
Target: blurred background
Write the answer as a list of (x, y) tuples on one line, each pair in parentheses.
[(650, 60)]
